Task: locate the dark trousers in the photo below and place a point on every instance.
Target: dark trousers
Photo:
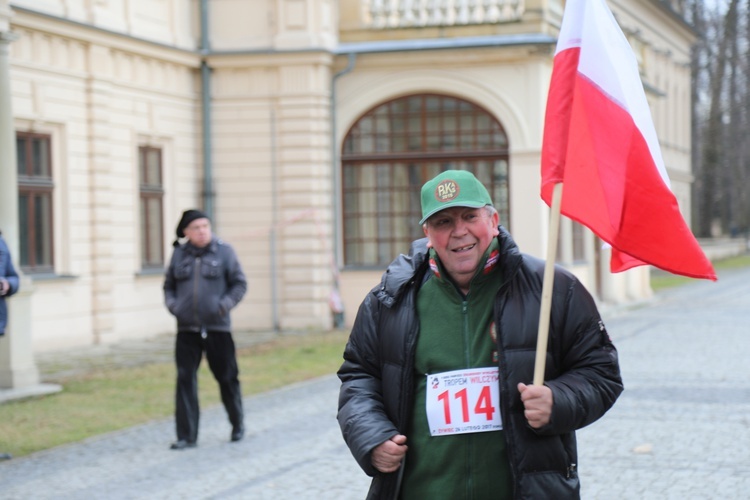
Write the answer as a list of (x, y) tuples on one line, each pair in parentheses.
[(221, 357)]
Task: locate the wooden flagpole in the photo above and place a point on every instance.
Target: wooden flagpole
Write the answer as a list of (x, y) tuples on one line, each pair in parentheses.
[(549, 268)]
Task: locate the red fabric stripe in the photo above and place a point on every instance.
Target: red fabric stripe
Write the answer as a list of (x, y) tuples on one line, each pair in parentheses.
[(557, 119), (610, 181)]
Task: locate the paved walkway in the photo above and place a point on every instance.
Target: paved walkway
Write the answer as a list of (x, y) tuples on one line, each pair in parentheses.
[(679, 431)]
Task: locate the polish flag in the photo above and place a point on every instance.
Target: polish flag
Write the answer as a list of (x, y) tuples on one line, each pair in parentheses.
[(600, 143)]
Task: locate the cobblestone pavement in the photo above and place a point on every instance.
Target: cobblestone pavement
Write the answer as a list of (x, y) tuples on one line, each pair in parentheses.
[(680, 430)]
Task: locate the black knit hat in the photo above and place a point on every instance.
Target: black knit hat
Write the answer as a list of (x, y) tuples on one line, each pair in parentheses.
[(188, 216)]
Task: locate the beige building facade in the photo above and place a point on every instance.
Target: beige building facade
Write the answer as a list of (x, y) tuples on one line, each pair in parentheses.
[(294, 123)]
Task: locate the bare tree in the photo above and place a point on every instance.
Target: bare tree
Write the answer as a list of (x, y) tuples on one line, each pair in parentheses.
[(716, 172), (741, 129)]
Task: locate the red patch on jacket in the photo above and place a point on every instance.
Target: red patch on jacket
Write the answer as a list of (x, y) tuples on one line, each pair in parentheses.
[(434, 267)]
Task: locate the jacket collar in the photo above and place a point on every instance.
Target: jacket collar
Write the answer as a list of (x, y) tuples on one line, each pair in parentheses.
[(197, 252), (407, 268)]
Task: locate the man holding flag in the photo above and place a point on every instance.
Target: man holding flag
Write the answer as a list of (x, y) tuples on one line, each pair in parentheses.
[(436, 398)]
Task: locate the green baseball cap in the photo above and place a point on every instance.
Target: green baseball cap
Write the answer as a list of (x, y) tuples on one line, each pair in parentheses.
[(453, 188)]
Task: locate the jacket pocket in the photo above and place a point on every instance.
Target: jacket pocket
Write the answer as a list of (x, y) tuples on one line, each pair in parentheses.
[(211, 268), (183, 311), (550, 485), (183, 270)]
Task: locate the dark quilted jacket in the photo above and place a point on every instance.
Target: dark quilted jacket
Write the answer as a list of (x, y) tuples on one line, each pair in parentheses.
[(201, 286), (581, 369)]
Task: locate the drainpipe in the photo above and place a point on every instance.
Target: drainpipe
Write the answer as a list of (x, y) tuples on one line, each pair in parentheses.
[(274, 224), (338, 314), (335, 159), (208, 187)]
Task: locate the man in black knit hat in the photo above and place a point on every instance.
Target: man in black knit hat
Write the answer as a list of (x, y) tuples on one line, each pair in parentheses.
[(203, 282)]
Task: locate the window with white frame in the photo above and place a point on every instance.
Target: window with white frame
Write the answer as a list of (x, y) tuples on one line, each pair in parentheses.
[(151, 190), (35, 193)]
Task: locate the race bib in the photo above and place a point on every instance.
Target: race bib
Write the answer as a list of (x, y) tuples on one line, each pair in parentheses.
[(463, 401)]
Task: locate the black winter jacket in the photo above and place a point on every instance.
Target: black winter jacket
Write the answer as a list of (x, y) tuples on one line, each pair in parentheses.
[(202, 285), (582, 370)]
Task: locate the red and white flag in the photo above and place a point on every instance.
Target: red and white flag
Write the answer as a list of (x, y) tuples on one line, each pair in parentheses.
[(600, 142)]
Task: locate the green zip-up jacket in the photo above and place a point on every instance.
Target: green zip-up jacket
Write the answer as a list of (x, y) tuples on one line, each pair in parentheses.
[(456, 333), (376, 399)]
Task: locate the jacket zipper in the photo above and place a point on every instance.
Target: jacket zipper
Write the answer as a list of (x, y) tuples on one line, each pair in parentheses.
[(407, 383), (196, 273)]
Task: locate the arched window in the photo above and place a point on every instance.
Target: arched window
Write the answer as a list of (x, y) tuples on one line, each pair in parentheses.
[(392, 150)]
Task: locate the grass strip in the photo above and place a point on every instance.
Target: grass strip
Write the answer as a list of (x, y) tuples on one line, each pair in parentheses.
[(661, 280), (110, 399)]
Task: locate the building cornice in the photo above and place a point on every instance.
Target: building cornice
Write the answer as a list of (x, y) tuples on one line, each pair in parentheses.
[(445, 43), (79, 30), (32, 19)]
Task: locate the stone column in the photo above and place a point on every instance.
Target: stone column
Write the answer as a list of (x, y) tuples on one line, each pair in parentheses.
[(17, 367), (102, 182)]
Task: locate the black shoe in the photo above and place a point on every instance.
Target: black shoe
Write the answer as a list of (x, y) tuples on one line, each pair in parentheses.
[(238, 433), (182, 444)]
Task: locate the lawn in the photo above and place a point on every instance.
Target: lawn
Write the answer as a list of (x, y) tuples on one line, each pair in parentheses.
[(109, 399), (661, 280)]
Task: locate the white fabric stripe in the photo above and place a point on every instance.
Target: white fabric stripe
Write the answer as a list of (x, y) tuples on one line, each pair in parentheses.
[(608, 61)]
